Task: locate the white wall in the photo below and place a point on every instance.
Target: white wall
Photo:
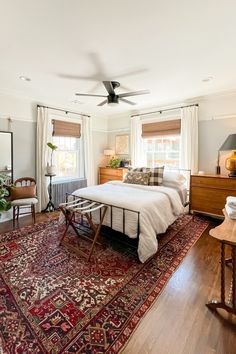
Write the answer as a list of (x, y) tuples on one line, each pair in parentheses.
[(217, 119)]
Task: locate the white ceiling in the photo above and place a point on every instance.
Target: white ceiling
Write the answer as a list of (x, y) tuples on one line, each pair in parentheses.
[(165, 46)]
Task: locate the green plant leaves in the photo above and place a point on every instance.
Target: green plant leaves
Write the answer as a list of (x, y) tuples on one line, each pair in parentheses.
[(4, 205), (52, 146), (114, 163)]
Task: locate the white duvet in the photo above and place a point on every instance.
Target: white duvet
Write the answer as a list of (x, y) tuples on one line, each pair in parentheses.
[(158, 206)]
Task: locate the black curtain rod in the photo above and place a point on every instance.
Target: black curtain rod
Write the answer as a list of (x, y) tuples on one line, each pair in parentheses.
[(165, 110), (64, 110)]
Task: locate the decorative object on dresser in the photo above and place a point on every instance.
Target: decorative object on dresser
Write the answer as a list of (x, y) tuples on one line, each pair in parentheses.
[(226, 234), (230, 163), (107, 174), (208, 193), (114, 162)]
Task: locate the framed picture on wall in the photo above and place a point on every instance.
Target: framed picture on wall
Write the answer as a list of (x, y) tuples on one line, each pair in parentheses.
[(122, 144)]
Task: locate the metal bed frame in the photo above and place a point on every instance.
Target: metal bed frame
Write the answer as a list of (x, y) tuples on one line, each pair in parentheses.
[(111, 207)]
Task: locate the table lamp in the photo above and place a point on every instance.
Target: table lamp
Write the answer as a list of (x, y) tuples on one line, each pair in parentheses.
[(230, 163)]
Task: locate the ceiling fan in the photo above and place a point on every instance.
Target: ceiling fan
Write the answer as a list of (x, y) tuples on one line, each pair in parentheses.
[(112, 98)]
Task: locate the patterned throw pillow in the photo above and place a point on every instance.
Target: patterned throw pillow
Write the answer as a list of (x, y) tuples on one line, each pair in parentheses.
[(135, 169), (137, 178), (156, 177)]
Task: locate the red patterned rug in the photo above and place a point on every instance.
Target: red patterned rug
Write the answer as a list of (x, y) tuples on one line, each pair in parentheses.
[(53, 301)]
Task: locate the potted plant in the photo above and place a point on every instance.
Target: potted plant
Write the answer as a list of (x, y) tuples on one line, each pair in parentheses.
[(114, 162), (4, 204), (51, 169)]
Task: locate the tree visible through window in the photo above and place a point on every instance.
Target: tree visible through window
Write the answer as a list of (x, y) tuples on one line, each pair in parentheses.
[(162, 150)]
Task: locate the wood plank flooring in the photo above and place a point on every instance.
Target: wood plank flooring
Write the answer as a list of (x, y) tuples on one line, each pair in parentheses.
[(179, 322)]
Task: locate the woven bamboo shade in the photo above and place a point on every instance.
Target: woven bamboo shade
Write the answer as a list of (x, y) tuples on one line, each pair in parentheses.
[(62, 128), (169, 127)]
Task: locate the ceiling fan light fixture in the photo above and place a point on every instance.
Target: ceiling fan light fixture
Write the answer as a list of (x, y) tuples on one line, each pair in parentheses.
[(113, 100), (112, 104)]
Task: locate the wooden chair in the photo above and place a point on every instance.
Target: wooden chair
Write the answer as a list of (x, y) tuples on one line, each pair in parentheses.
[(24, 201)]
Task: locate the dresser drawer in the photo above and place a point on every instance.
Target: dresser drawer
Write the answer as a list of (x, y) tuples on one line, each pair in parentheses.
[(210, 201), (111, 172), (213, 182), (208, 193), (107, 178)]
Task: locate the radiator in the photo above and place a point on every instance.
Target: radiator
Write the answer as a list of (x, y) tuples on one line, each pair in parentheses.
[(60, 188)]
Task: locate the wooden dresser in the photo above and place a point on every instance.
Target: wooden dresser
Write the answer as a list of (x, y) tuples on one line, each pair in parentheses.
[(107, 174), (208, 193)]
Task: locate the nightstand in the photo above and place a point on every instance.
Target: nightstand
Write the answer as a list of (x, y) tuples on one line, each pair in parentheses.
[(208, 193), (107, 174)]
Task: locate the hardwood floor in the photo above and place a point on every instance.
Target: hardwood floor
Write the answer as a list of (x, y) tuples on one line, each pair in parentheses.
[(179, 322)]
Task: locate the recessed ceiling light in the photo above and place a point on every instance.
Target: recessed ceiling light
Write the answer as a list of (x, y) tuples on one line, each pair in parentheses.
[(207, 79), (24, 78)]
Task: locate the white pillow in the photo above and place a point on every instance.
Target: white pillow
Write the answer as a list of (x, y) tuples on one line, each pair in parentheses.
[(173, 178)]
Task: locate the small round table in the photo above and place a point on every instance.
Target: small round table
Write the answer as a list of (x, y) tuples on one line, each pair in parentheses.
[(226, 234), (50, 206)]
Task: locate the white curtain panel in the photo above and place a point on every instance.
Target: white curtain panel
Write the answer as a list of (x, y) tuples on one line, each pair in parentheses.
[(189, 139), (43, 133), (88, 151), (136, 143)]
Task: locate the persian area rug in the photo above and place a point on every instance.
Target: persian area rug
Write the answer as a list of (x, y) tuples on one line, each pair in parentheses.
[(54, 301)]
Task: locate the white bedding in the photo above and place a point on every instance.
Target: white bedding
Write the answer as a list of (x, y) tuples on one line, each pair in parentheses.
[(158, 206)]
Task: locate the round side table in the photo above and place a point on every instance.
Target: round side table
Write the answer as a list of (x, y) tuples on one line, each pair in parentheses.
[(226, 235)]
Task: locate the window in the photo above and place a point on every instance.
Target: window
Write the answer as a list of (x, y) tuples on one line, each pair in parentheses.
[(162, 142), (68, 157), (162, 150)]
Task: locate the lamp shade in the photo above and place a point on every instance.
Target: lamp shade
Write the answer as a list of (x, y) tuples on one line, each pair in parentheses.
[(229, 144), (109, 152)]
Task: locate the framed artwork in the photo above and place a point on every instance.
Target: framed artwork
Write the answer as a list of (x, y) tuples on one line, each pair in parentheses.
[(122, 144)]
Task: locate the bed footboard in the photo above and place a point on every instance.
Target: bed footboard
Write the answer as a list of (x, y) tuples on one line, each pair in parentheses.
[(70, 197)]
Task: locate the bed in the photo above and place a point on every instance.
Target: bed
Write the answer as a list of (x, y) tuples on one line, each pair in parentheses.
[(152, 208)]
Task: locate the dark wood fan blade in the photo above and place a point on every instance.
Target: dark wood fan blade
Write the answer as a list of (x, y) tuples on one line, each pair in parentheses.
[(109, 87), (135, 93), (102, 103), (90, 95), (127, 101)]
